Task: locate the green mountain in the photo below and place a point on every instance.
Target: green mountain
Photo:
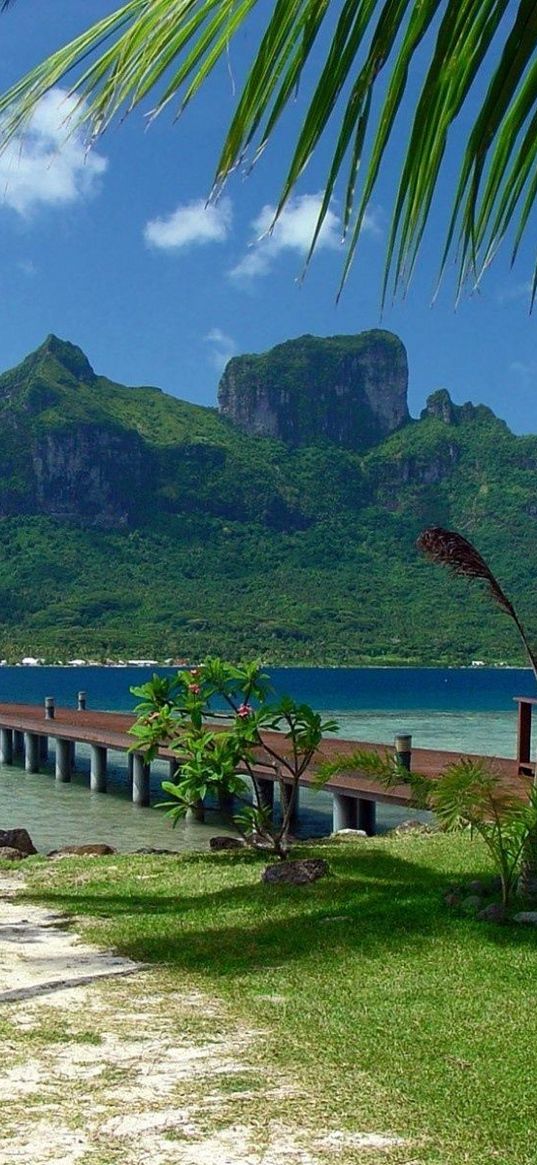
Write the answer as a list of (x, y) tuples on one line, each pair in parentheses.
[(282, 524)]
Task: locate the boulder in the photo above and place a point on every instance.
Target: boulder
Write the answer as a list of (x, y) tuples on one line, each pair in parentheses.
[(412, 826), (494, 912), (150, 849), (471, 903), (296, 873), (452, 898), (478, 888), (9, 854), (97, 849), (220, 843), (18, 839), (347, 834), (527, 916)]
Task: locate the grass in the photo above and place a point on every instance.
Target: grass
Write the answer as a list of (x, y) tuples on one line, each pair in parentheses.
[(387, 1011)]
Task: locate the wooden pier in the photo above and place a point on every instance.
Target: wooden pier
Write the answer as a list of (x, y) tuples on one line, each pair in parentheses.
[(26, 729)]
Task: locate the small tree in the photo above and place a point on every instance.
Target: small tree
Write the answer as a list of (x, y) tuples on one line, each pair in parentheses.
[(468, 795), (216, 750), (448, 548)]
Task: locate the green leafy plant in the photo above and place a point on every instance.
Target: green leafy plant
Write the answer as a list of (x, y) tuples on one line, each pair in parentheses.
[(358, 60), (217, 750), (468, 795)]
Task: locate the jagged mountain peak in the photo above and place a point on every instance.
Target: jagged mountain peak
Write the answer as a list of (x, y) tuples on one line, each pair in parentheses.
[(69, 355)]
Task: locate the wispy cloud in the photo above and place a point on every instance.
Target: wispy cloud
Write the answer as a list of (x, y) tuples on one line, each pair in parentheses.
[(191, 224), (49, 165), (221, 348), (293, 232), (510, 292)]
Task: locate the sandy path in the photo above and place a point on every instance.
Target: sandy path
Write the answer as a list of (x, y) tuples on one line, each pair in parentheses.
[(104, 1061)]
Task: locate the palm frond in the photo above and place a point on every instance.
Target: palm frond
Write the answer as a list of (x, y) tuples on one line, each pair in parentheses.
[(168, 48), (448, 548)]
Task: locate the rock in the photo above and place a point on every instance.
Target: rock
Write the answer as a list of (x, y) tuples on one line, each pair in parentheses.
[(471, 903), (220, 843), (351, 390), (451, 898), (296, 873), (18, 839), (149, 849), (495, 885), (478, 888), (527, 916), (97, 849), (494, 912), (412, 826), (9, 854), (347, 834)]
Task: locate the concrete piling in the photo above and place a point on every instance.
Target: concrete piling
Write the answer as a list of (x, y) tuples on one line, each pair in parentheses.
[(140, 780), (31, 752), (98, 767), (344, 812), (6, 746), (63, 760)]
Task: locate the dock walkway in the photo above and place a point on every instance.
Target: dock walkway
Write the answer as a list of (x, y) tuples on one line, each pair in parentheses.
[(25, 730)]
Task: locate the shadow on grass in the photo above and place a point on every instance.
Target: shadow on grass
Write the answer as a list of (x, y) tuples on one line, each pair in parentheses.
[(375, 904)]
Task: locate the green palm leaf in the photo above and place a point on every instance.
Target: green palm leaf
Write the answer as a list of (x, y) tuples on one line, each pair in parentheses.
[(168, 49)]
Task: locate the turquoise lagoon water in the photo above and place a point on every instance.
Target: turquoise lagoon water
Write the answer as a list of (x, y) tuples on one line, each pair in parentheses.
[(466, 710)]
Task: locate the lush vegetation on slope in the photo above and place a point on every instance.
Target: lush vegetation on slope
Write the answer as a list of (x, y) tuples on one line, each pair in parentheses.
[(137, 524)]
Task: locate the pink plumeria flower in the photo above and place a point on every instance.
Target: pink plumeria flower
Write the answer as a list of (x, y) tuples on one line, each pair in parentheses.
[(244, 711), (195, 689)]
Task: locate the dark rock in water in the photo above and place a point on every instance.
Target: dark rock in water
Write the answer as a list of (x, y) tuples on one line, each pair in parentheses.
[(9, 854), (96, 849), (494, 912), (296, 873), (18, 839), (149, 849), (220, 843)]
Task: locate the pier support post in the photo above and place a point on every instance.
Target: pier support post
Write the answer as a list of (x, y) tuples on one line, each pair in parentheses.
[(173, 766), (6, 746), (140, 780), (31, 752), (265, 794), (98, 765), (403, 749), (18, 742), (285, 797), (63, 760), (225, 803), (344, 812), (367, 816), (43, 750)]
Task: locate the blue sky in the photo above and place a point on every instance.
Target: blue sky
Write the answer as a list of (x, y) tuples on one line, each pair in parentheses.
[(116, 252)]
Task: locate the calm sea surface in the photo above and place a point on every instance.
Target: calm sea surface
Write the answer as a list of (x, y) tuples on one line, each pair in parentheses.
[(470, 710)]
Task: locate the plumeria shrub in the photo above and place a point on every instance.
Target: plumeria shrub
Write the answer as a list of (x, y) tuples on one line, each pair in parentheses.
[(220, 723)]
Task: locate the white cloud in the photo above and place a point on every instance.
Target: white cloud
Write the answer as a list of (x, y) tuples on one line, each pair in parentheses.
[(222, 348), (192, 224), (510, 292), (293, 232), (49, 165)]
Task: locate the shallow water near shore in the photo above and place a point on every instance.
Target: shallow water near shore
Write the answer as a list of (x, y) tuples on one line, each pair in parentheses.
[(466, 710)]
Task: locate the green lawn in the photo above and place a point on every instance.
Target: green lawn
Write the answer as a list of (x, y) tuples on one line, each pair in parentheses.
[(388, 1011)]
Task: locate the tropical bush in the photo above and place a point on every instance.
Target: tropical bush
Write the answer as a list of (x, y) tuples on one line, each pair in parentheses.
[(214, 719)]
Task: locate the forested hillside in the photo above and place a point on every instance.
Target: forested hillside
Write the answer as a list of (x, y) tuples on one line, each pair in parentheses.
[(283, 525)]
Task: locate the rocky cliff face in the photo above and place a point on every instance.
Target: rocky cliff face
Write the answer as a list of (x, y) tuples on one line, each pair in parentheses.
[(351, 390), (88, 473)]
